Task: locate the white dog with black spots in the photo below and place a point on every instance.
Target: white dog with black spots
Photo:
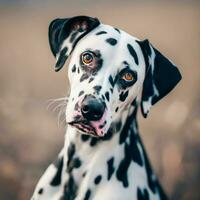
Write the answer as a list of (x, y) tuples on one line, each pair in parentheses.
[(111, 75)]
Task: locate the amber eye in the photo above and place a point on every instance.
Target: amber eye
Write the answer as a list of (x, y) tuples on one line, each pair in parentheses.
[(87, 58), (128, 77)]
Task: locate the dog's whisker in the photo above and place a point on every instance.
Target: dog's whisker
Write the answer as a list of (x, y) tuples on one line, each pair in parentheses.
[(59, 106), (55, 107), (60, 115), (63, 122), (51, 102), (65, 126), (59, 99)]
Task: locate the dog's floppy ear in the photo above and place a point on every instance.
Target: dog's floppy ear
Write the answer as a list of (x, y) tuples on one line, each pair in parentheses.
[(161, 76), (65, 33)]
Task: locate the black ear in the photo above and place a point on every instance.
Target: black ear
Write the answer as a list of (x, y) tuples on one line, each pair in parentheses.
[(161, 76), (65, 33)]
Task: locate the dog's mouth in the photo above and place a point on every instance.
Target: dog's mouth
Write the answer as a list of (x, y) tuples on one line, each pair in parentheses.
[(84, 126)]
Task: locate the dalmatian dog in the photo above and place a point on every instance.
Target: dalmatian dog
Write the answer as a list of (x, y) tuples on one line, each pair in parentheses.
[(111, 75)]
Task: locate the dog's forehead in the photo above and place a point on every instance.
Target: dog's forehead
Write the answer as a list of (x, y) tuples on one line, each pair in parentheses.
[(112, 43)]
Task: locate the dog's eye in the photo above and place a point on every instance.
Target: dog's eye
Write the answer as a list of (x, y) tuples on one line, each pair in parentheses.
[(87, 58), (128, 77)]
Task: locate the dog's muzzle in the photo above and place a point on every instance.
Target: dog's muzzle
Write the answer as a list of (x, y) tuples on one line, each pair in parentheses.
[(91, 118)]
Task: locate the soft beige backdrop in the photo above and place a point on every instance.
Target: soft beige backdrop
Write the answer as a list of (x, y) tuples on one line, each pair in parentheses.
[(30, 136)]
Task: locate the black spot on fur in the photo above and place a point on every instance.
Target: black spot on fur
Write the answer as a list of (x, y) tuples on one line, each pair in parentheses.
[(107, 136), (85, 137), (103, 97), (125, 63), (84, 77), (74, 163), (111, 81), (74, 68), (78, 70), (84, 174), (136, 155), (57, 178), (123, 96), (134, 103), (101, 32), (117, 126), (117, 30), (97, 88), (111, 41), (111, 90), (99, 62), (152, 183), (97, 180), (107, 96), (124, 133), (87, 194), (91, 79), (61, 59), (70, 153), (149, 172), (123, 168), (40, 191), (111, 168), (129, 152), (101, 126), (70, 189), (149, 90), (116, 109), (81, 93), (142, 195), (145, 47), (133, 53), (93, 141)]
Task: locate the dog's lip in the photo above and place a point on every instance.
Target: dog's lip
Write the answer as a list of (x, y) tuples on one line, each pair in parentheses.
[(83, 126)]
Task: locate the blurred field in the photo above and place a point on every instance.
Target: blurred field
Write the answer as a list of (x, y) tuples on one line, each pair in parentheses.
[(30, 137)]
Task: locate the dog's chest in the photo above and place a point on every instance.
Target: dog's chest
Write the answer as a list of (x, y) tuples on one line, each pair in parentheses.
[(106, 172)]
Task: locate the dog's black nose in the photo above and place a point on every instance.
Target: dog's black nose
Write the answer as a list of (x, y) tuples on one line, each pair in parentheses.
[(92, 109)]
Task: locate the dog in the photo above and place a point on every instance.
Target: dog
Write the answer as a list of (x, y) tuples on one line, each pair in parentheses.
[(111, 74)]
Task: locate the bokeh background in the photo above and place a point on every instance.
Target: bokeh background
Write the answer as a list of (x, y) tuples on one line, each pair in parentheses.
[(30, 136)]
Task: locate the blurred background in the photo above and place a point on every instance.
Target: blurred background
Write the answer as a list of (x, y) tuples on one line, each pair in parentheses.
[(30, 136)]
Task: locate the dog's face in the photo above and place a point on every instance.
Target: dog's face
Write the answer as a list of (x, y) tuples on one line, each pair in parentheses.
[(104, 77), (108, 71)]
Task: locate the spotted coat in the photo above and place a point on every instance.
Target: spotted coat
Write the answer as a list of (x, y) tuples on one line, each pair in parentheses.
[(107, 161)]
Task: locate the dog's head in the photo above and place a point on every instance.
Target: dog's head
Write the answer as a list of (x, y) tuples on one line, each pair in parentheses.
[(108, 71)]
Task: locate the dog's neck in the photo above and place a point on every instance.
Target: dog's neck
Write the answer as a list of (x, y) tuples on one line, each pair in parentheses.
[(121, 142)]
